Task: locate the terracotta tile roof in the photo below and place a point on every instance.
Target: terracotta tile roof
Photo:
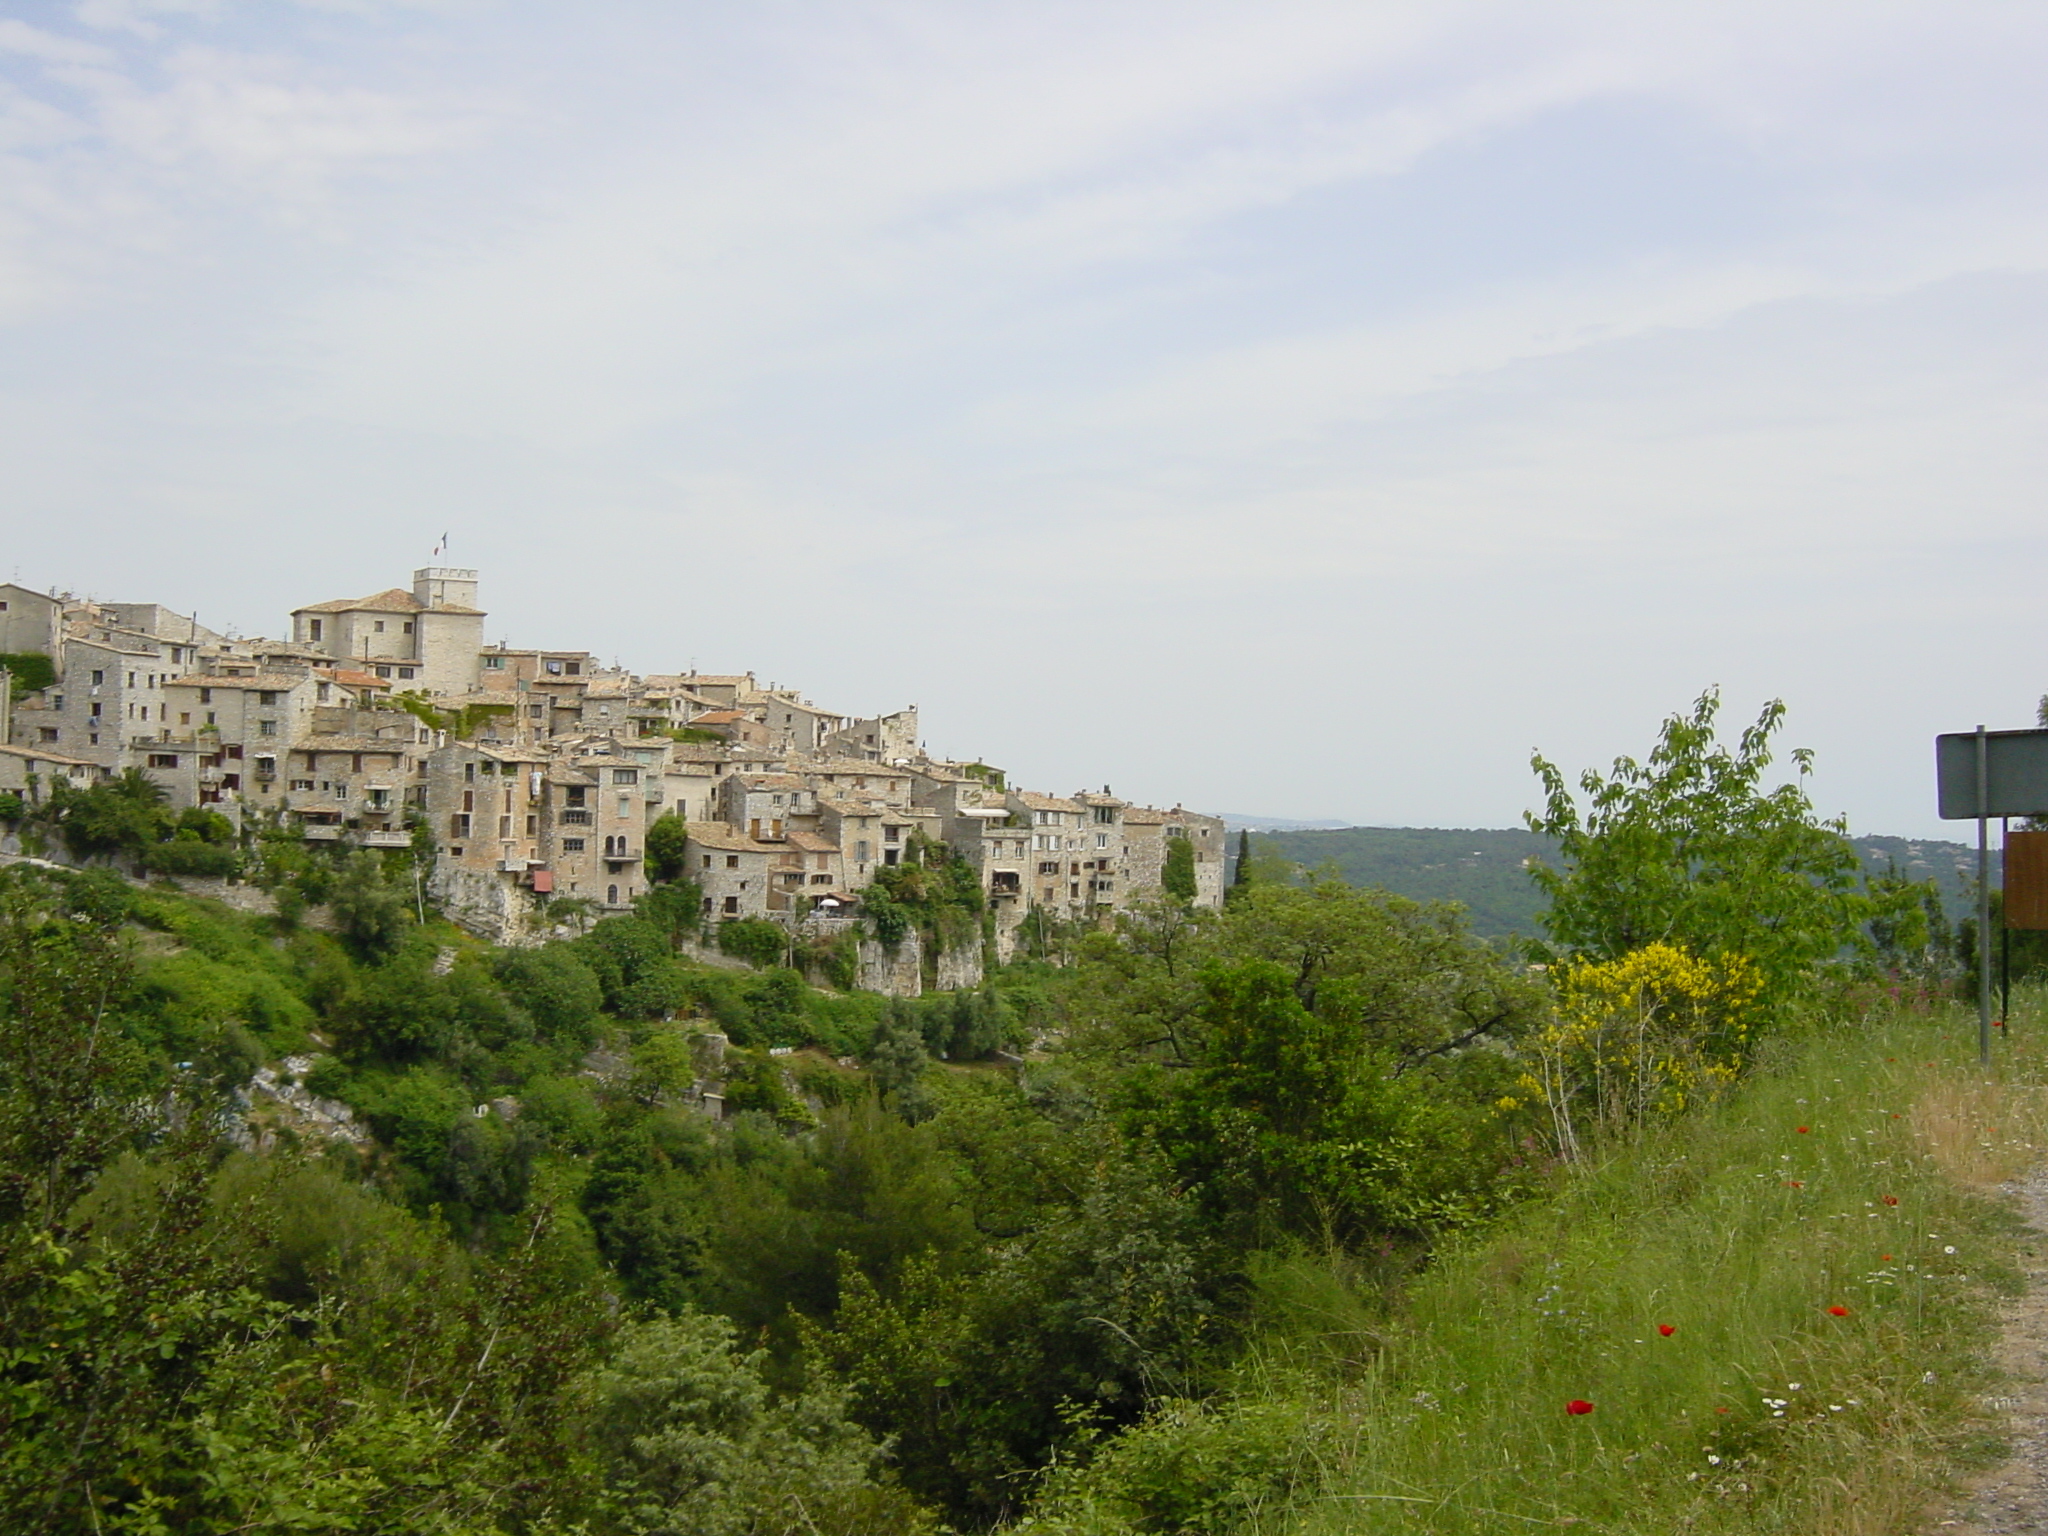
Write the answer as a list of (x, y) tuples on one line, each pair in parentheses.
[(860, 808), (351, 678), (716, 834), (853, 766), (351, 744), (1045, 802), (393, 600), (263, 682), (34, 754), (770, 780), (811, 842), (1144, 816)]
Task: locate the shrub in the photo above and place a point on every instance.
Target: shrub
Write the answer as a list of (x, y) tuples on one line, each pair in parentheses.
[(753, 939), (193, 857)]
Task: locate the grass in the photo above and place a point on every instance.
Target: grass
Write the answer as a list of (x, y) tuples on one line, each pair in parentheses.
[(1762, 1410)]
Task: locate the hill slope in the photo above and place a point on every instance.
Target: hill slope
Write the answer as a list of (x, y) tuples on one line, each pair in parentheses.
[(1484, 869)]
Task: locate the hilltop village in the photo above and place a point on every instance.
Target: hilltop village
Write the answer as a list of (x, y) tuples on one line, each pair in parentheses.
[(539, 773)]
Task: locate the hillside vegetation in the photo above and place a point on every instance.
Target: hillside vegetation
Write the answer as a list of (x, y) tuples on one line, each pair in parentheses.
[(1317, 1213), (1485, 870)]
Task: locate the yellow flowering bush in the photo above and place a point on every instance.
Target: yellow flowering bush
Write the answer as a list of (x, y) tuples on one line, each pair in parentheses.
[(1639, 1036)]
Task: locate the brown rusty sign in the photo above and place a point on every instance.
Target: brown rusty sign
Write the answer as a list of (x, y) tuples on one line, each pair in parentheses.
[(2026, 879)]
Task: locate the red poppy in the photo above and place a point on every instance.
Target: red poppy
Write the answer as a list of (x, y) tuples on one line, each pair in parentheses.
[(1794, 1184), (1720, 1410), (1891, 1199), (1884, 1258), (1667, 1329), (1838, 1311), (1802, 1130), (1578, 1405)]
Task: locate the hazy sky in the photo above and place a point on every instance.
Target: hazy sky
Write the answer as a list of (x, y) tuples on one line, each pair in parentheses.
[(1289, 409)]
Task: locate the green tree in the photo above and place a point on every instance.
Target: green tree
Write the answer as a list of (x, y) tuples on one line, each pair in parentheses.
[(691, 1442), (1177, 877), (30, 671), (1241, 876), (370, 912), (1694, 848), (122, 816), (665, 841)]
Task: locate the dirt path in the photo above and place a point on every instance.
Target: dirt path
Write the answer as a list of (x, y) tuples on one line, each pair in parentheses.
[(2013, 1497)]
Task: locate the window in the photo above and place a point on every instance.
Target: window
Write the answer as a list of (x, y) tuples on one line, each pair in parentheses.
[(575, 795), (469, 773), (48, 733), (96, 712), (383, 671), (184, 719), (408, 626), (98, 678), (732, 903), (377, 625), (266, 727), (1102, 839), (1048, 867), (572, 845), (574, 668), (707, 861), (313, 629), (340, 790), (554, 668), (533, 826), (267, 698), (211, 718), (408, 672), (732, 861), (303, 785), (458, 825), (861, 853), (491, 663), (163, 759), (611, 897), (821, 879), (632, 776), (536, 710)]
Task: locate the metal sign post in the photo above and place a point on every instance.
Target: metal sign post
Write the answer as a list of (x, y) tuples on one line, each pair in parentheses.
[(1983, 899), (1978, 776)]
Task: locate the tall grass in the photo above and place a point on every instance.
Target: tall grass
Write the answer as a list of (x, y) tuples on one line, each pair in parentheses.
[(1825, 1247)]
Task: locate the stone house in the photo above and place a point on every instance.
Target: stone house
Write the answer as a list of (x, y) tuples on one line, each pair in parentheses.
[(882, 739), (768, 805), (850, 779), (31, 621), (1146, 834), (731, 870), (29, 773), (429, 639)]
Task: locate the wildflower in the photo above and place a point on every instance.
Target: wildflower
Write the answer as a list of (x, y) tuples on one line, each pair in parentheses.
[(1802, 1130), (1950, 1248), (1884, 1258), (1891, 1199), (1578, 1405), (1667, 1329), (1838, 1311), (1720, 1410)]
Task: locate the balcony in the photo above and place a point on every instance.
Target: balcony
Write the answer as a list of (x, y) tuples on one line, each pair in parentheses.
[(624, 856), (573, 818), (385, 839), (321, 832)]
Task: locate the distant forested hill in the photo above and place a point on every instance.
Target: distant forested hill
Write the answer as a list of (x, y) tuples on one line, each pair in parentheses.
[(1484, 869)]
